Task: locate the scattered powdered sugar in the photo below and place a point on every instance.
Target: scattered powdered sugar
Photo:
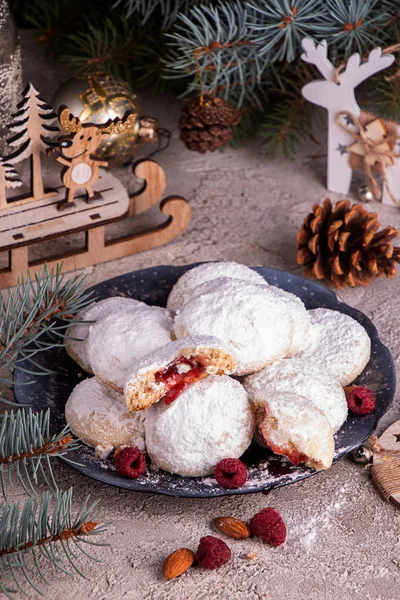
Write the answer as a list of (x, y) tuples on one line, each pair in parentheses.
[(308, 532), (207, 272)]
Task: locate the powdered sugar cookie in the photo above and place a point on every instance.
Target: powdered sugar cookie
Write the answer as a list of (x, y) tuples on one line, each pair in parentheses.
[(337, 343), (252, 320), (167, 372), (99, 417), (118, 340), (211, 420), (300, 321), (76, 348), (293, 426), (207, 272), (306, 379)]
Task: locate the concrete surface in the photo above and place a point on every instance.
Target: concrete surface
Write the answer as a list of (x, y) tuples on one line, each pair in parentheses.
[(343, 540)]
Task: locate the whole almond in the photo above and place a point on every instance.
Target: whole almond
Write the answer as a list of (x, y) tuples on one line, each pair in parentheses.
[(177, 563), (232, 527)]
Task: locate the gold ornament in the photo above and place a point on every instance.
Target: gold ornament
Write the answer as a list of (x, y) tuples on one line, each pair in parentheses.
[(99, 97)]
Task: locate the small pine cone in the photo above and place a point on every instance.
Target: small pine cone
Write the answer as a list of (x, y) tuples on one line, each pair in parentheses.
[(208, 126), (342, 245)]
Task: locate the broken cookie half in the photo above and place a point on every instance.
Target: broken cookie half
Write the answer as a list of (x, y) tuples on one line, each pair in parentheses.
[(291, 425), (165, 373)]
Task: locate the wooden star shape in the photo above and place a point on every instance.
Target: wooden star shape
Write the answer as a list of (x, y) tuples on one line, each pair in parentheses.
[(397, 436)]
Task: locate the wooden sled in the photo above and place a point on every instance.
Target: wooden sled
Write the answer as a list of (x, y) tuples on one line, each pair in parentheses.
[(23, 224)]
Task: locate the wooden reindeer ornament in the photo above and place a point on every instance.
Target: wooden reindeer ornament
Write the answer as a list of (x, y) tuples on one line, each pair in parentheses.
[(336, 93), (77, 149), (29, 220)]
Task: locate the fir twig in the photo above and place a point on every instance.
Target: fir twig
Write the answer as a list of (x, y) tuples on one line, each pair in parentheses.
[(34, 316), (26, 448), (211, 47), (31, 534)]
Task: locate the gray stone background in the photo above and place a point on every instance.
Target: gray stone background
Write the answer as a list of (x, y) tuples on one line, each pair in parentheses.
[(343, 540)]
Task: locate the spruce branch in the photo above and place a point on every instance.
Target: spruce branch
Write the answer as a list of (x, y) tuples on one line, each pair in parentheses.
[(26, 448), (43, 530), (109, 46), (278, 27), (165, 10), (34, 316), (353, 25)]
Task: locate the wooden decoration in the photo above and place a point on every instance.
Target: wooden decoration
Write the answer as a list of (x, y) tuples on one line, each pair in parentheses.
[(81, 167), (9, 178), (336, 93), (385, 472), (30, 127), (27, 220)]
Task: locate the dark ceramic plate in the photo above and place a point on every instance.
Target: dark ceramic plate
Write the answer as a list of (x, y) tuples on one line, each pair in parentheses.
[(266, 470)]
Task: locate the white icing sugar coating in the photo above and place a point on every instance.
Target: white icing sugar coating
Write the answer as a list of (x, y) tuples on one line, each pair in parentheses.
[(211, 420), (207, 272), (305, 379), (116, 341), (253, 320), (94, 312), (338, 344), (141, 389), (300, 321), (294, 423), (99, 417)]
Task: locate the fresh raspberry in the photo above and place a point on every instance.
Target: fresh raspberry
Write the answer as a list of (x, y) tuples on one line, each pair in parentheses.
[(212, 552), (230, 473), (130, 462), (360, 400), (269, 526)]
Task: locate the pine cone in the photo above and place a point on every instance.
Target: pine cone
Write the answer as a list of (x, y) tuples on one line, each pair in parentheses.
[(208, 126), (343, 246)]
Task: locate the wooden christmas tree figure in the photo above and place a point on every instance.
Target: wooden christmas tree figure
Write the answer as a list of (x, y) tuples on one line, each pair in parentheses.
[(31, 127), (9, 178)]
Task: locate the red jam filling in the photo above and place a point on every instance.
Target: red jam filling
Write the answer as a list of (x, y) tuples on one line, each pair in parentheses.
[(177, 382)]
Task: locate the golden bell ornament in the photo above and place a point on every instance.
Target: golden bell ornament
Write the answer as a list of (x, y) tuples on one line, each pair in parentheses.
[(99, 97)]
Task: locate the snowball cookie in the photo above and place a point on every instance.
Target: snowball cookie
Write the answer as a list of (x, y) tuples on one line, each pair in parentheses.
[(300, 321), (253, 320), (99, 417), (338, 344), (208, 272), (211, 420), (116, 341), (305, 379), (76, 348), (166, 372), (293, 426)]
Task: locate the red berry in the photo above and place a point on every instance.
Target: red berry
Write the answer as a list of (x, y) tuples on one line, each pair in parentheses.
[(130, 462), (230, 473), (212, 552), (269, 526), (360, 400)]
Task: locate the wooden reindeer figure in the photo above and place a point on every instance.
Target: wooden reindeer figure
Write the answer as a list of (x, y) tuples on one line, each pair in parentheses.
[(81, 168), (337, 95)]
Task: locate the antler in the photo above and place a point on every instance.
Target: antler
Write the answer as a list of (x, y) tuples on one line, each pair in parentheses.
[(68, 122), (120, 125), (356, 72), (317, 54)]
